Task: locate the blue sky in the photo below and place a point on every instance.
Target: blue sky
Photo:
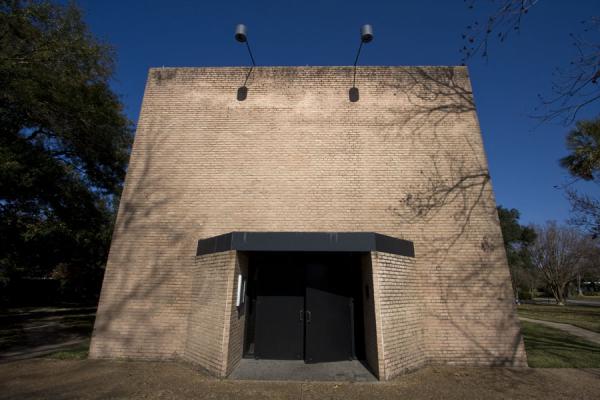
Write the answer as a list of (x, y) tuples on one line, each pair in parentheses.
[(523, 159)]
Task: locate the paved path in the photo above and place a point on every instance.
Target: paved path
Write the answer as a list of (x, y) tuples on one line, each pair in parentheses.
[(103, 379), (570, 302), (298, 370), (573, 330), (583, 303)]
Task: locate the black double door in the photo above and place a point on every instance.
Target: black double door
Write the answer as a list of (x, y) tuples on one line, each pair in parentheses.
[(305, 308)]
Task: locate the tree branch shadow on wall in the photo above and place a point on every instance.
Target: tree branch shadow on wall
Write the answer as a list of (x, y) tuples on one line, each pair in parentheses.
[(454, 184), (465, 259), (143, 292)]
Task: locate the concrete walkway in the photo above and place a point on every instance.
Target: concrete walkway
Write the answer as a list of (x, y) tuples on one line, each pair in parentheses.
[(298, 370), (583, 303), (569, 302), (573, 330)]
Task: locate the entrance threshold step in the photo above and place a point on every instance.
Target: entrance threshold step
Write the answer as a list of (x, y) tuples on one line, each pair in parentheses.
[(298, 370)]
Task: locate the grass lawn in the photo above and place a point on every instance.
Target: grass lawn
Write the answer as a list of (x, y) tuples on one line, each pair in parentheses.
[(552, 348), (585, 317), (79, 352), (23, 329), (546, 347)]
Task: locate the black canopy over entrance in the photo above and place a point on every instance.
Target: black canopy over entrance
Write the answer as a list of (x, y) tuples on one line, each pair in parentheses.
[(309, 294), (306, 241)]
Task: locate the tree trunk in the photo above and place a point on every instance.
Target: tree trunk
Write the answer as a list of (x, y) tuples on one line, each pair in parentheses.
[(579, 291), (561, 294), (558, 294)]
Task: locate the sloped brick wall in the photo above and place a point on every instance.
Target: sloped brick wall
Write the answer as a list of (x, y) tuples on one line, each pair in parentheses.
[(399, 312), (209, 323), (406, 160), (237, 318), (372, 342)]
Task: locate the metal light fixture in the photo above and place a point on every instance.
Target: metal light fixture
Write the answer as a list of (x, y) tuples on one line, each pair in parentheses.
[(366, 33), (241, 35), (366, 36)]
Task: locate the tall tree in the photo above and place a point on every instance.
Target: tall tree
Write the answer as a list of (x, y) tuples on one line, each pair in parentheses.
[(64, 145), (583, 162), (576, 85), (517, 240), (559, 253), (590, 267), (583, 144)]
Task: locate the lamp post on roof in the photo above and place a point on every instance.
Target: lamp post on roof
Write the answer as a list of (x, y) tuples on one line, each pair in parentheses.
[(366, 33), (241, 35), (366, 36)]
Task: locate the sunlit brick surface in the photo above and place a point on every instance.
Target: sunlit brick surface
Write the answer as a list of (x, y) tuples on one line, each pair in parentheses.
[(406, 160)]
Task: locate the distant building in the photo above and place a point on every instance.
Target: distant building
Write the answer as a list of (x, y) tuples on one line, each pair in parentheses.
[(287, 220)]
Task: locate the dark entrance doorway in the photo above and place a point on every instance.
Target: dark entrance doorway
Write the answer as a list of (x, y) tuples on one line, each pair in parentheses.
[(304, 306), (279, 300)]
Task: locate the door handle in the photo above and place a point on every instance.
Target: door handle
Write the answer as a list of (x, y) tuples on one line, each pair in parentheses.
[(301, 315), (308, 317)]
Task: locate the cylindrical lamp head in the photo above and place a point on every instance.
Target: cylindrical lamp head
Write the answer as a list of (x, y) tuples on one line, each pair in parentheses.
[(366, 33), (240, 33)]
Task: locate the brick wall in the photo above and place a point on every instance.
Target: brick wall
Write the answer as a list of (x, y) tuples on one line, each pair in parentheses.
[(399, 311), (406, 160), (237, 318), (372, 345), (211, 306)]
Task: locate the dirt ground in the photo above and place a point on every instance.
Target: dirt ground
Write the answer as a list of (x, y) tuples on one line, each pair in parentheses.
[(94, 379)]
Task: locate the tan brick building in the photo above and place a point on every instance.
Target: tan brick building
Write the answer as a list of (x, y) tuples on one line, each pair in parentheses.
[(287, 221)]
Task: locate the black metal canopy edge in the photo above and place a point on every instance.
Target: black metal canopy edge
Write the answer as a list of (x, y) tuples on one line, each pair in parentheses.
[(306, 241)]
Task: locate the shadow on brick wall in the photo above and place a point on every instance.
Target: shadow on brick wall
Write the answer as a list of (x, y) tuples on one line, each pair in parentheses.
[(242, 92), (470, 313), (143, 305)]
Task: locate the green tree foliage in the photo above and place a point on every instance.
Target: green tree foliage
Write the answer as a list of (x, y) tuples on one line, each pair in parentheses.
[(583, 162), (583, 144), (517, 240), (516, 236), (64, 146), (576, 85)]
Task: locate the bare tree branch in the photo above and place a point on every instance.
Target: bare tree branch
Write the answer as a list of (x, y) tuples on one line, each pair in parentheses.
[(504, 19), (573, 87), (558, 254), (586, 212)]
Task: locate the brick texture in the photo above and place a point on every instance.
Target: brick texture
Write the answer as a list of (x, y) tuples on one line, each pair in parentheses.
[(209, 324), (372, 345), (236, 319), (398, 288), (406, 160)]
